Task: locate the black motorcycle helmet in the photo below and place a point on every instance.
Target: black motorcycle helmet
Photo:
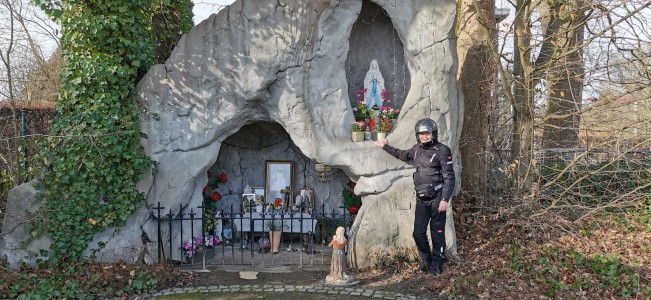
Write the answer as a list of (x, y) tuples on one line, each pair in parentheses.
[(426, 125)]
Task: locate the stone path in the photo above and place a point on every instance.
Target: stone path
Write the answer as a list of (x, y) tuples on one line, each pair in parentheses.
[(323, 289)]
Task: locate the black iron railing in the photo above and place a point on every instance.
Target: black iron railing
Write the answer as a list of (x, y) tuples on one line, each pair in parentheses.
[(243, 236)]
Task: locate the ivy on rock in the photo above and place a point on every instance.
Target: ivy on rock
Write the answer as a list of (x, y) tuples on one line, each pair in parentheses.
[(94, 158)]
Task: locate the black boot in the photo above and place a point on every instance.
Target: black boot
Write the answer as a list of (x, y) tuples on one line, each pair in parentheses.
[(436, 268), (426, 262), (424, 266)]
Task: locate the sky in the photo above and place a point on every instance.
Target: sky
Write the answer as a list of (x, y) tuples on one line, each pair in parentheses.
[(204, 8)]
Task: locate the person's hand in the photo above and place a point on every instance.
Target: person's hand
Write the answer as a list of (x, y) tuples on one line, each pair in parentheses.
[(443, 206), (381, 142)]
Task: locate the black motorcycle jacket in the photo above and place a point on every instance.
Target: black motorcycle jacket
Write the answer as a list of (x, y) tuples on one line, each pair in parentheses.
[(433, 165)]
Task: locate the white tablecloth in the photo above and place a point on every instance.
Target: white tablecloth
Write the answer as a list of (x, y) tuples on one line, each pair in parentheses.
[(291, 222)]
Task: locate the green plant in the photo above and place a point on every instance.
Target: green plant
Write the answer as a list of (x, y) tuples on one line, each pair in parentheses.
[(389, 112), (361, 111), (356, 127), (275, 225), (141, 281), (384, 125), (211, 198), (93, 156), (352, 201)]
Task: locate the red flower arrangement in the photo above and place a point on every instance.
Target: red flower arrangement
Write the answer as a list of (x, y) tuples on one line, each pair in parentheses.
[(278, 202), (222, 177), (211, 197), (352, 201), (353, 209), (215, 196)]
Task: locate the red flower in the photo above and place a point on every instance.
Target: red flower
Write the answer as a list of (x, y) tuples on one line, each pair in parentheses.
[(353, 209), (209, 174), (278, 202), (205, 189), (223, 177), (215, 196)]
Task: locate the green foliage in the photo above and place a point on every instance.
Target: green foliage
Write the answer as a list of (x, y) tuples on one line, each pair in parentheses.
[(171, 19), (350, 198), (141, 281), (94, 157), (580, 272), (5, 185)]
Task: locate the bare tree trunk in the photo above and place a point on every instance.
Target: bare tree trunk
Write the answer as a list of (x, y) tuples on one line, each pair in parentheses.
[(476, 75), (522, 101), (564, 76), (13, 168)]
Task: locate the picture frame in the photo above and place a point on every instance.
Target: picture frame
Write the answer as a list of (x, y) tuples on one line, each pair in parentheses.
[(247, 202), (279, 174), (258, 191), (308, 197)]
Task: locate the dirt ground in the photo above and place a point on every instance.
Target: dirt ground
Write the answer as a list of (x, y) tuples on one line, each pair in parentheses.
[(500, 256), (407, 282)]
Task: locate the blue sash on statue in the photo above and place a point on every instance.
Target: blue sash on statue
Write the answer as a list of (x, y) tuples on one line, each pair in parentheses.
[(374, 96)]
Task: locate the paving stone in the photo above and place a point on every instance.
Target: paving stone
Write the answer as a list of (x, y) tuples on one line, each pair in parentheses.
[(336, 290)]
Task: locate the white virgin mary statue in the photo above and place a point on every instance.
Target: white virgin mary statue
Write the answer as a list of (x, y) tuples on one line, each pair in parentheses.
[(374, 84)]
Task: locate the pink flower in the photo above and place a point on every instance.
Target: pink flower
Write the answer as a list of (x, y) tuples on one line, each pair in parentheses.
[(384, 94)]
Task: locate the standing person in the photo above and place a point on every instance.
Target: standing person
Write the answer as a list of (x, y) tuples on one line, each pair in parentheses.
[(434, 184)]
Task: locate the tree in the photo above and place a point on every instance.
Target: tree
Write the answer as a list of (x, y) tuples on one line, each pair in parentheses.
[(24, 35), (563, 27), (476, 75), (542, 79)]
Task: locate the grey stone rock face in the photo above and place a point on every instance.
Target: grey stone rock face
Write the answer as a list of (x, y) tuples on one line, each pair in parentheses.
[(276, 80), (16, 243), (287, 62)]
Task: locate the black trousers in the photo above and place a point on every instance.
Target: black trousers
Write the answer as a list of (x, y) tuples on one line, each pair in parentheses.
[(427, 214)]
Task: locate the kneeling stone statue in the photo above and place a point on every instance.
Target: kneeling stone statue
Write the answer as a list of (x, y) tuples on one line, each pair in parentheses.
[(338, 274)]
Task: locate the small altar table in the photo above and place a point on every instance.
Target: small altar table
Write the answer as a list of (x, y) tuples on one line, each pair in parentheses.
[(291, 222)]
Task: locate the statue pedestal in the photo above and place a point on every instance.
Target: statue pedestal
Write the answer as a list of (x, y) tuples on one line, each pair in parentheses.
[(341, 282)]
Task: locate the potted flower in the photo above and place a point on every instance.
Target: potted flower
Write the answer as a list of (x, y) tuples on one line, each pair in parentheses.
[(389, 112), (198, 245), (361, 112), (275, 227), (384, 125), (358, 135), (259, 203)]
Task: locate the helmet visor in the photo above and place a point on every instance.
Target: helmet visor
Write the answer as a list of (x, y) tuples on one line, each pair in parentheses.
[(423, 128)]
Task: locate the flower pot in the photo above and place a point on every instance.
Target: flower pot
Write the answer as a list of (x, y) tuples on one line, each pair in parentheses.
[(274, 237), (361, 123), (381, 135), (358, 136)]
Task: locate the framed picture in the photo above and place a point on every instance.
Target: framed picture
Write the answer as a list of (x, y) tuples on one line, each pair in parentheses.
[(248, 201), (278, 178), (258, 191), (308, 200)]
